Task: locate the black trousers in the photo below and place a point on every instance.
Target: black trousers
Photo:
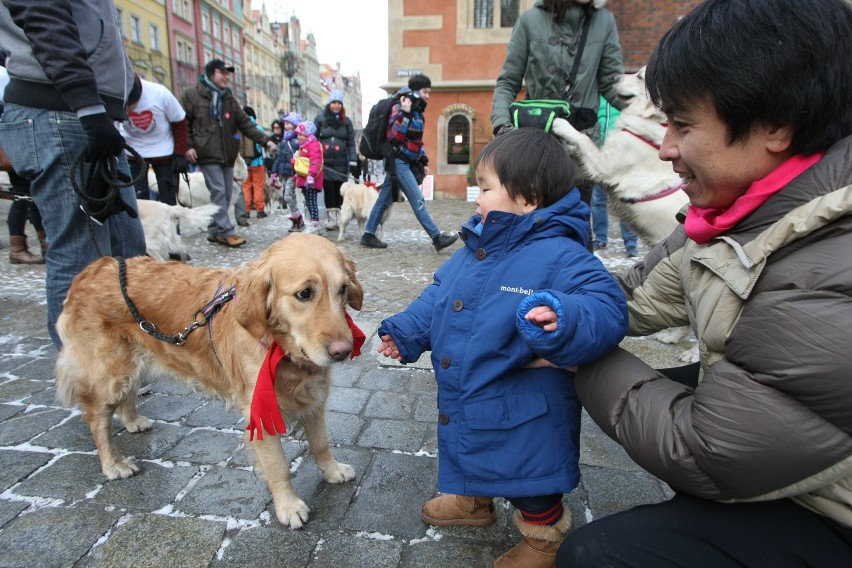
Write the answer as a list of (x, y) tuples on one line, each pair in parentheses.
[(694, 533), (167, 181)]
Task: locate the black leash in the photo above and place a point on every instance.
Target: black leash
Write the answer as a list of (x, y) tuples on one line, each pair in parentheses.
[(206, 313)]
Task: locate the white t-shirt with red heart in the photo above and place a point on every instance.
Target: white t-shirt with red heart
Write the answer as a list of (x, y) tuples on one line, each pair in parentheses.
[(148, 128)]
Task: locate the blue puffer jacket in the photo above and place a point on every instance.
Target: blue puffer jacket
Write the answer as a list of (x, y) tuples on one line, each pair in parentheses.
[(505, 430)]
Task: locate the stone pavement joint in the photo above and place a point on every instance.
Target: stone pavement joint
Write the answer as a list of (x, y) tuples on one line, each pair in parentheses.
[(198, 501)]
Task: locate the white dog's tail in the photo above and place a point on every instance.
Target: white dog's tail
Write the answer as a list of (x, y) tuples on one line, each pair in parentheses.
[(193, 220)]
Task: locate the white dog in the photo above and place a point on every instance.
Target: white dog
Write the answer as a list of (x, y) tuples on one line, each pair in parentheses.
[(160, 223), (195, 193), (358, 201), (643, 190)]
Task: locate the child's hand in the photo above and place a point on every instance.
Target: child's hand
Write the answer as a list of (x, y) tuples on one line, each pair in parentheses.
[(388, 348), (542, 316)]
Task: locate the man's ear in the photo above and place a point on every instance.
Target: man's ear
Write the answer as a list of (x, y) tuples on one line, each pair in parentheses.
[(779, 138)]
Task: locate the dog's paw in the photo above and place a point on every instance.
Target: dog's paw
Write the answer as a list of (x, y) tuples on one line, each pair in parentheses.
[(690, 355), (672, 334), (121, 469), (140, 424), (292, 513), (338, 472), (564, 131)]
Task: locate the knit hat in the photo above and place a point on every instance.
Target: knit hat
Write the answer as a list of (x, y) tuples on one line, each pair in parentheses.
[(335, 95), (307, 128), (419, 82), (293, 118)]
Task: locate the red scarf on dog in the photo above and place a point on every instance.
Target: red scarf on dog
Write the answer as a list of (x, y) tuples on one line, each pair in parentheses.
[(264, 404)]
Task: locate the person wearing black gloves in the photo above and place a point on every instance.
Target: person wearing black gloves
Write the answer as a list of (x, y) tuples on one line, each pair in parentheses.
[(337, 137), (69, 78)]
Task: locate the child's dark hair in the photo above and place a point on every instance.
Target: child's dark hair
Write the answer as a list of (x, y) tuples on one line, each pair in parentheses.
[(770, 63), (530, 164)]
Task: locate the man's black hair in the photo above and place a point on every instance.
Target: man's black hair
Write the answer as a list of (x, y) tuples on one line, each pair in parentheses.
[(771, 63), (418, 82), (530, 164)]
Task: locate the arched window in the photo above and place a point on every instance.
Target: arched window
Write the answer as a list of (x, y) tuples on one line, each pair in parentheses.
[(458, 140)]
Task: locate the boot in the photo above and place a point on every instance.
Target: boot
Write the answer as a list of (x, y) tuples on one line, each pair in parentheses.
[(443, 240), (451, 510), (331, 222), (313, 228), (42, 239), (19, 253), (298, 223), (539, 546)]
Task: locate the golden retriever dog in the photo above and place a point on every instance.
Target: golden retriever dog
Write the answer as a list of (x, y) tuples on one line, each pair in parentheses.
[(160, 223), (295, 293), (643, 190), (358, 201)]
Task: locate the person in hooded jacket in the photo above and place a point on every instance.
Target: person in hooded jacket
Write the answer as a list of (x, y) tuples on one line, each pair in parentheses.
[(506, 318), (282, 168), (310, 182), (337, 137)]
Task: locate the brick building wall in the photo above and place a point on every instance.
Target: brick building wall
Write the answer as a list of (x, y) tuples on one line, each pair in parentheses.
[(641, 24)]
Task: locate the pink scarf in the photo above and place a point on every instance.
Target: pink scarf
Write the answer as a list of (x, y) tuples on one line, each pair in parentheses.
[(703, 224), (264, 403)]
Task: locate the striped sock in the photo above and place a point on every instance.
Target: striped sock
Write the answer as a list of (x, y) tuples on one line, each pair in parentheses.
[(548, 517)]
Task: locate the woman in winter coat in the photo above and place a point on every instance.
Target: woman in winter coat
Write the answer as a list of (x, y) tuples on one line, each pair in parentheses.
[(758, 445), (337, 137)]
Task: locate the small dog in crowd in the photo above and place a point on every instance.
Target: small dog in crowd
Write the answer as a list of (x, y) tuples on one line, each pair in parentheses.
[(643, 190), (294, 295), (160, 223), (358, 201)]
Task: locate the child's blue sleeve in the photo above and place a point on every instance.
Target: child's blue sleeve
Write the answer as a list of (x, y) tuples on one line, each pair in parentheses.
[(411, 328), (591, 313)]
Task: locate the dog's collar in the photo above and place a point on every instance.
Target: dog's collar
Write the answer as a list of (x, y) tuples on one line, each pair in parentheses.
[(643, 139), (659, 195)]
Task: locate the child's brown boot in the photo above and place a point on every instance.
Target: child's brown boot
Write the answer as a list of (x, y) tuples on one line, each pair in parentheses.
[(449, 510), (539, 546)]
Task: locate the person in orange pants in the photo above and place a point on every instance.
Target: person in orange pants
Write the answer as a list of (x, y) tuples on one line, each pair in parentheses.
[(255, 183)]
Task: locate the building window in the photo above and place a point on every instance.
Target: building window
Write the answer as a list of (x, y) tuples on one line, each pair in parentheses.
[(508, 13), (458, 140), (216, 32), (135, 29), (205, 23), (155, 38), (483, 14), (120, 18)]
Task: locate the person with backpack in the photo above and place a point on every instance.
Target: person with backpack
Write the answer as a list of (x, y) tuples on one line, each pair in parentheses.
[(406, 163), (337, 137), (254, 186)]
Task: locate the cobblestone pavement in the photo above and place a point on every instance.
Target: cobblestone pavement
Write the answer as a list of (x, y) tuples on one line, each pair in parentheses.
[(197, 500)]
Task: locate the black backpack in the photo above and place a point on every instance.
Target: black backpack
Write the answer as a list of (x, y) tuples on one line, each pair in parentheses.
[(374, 140)]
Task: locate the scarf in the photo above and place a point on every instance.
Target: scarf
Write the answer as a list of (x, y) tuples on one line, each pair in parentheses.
[(705, 223), (217, 99), (265, 413)]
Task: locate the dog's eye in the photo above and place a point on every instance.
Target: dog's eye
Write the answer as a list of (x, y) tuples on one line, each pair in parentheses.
[(305, 294), (342, 291)]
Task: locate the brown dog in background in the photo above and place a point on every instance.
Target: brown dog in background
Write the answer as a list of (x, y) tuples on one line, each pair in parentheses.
[(296, 293)]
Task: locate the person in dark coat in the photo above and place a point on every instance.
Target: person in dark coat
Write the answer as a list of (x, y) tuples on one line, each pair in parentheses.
[(337, 137)]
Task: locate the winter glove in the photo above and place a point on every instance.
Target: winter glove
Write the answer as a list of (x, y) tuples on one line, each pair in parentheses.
[(181, 165), (309, 182), (354, 169), (104, 139)]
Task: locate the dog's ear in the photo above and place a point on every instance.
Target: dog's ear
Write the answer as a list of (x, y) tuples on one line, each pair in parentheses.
[(253, 302), (355, 293)]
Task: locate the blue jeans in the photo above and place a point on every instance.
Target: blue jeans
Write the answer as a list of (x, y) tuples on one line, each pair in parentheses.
[(600, 221), (411, 190), (220, 182), (41, 145)]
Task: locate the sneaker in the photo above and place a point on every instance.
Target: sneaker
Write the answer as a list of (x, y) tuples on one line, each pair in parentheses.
[(372, 241), (443, 240), (229, 241), (632, 252), (242, 222), (599, 245), (262, 215)]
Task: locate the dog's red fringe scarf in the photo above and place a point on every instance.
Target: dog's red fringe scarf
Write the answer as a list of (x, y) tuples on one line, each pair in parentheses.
[(265, 414)]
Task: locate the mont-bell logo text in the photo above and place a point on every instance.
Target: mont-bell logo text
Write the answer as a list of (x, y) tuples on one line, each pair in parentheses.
[(517, 290)]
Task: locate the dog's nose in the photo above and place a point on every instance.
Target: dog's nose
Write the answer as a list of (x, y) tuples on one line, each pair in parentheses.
[(339, 350)]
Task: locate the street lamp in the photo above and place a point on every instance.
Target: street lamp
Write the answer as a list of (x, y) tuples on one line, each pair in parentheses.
[(295, 94)]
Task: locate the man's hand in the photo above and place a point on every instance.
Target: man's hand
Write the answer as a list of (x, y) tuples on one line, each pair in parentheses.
[(104, 139), (388, 348), (542, 316), (271, 146), (405, 104), (191, 156)]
